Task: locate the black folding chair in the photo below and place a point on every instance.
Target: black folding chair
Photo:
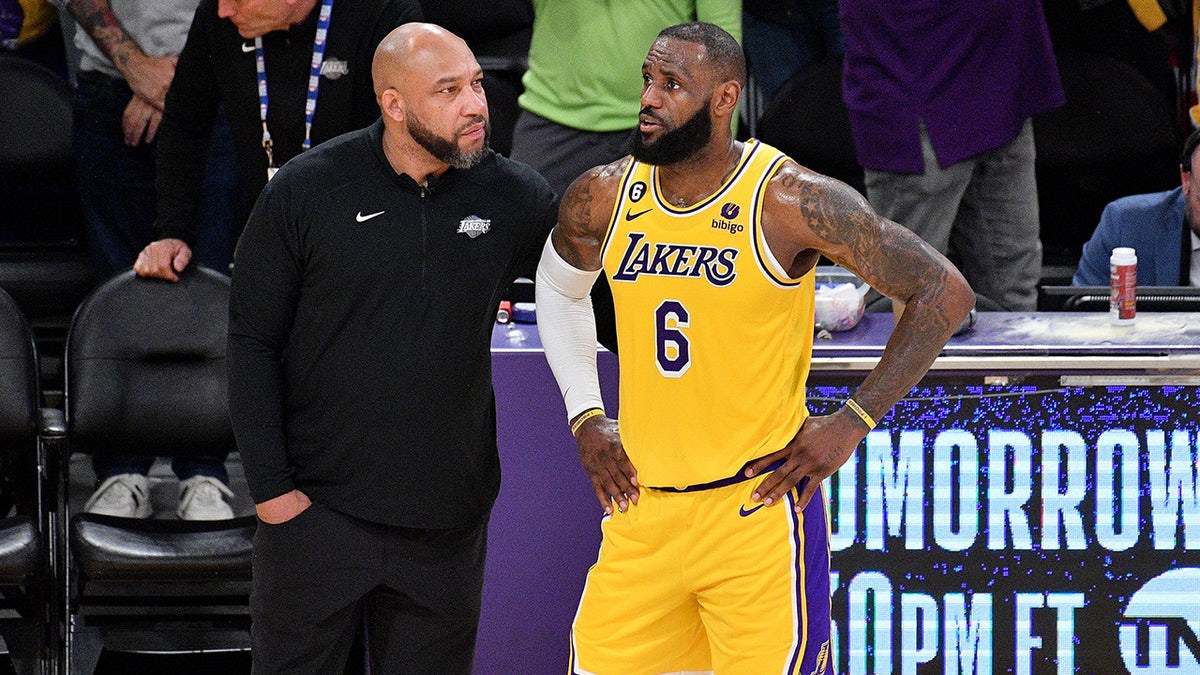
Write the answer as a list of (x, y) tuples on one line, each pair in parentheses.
[(145, 371), (28, 609)]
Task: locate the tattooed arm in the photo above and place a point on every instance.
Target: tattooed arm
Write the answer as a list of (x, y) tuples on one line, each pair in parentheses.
[(570, 264), (148, 76), (583, 215), (807, 215)]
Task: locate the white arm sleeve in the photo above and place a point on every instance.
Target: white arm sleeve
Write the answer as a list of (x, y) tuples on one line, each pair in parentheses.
[(568, 329)]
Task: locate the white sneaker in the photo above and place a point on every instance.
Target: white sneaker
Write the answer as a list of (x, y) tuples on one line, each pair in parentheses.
[(125, 495), (203, 498)]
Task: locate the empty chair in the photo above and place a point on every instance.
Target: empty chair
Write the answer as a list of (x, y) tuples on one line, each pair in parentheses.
[(145, 370), (28, 619), (43, 263)]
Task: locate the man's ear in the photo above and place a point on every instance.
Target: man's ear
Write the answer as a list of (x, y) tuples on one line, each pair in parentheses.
[(392, 105), (726, 99)]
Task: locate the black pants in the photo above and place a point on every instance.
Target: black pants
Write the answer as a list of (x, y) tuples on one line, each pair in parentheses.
[(323, 574)]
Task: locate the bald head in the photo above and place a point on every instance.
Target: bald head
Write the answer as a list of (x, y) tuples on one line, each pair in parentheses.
[(415, 48), (430, 92)]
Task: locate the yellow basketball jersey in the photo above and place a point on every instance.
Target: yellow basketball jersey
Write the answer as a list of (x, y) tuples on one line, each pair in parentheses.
[(715, 339)]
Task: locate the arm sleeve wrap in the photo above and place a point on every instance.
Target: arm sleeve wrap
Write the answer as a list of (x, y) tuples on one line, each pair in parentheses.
[(568, 329)]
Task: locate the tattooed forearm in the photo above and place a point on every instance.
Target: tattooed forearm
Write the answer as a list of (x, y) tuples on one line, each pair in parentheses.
[(830, 217), (936, 300), (917, 340), (97, 19)]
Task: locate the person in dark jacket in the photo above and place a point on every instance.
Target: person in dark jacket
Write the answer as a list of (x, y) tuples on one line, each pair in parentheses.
[(364, 295), (282, 90), (230, 44)]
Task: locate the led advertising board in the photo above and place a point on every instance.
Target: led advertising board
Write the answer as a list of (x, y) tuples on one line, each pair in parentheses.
[(1019, 529)]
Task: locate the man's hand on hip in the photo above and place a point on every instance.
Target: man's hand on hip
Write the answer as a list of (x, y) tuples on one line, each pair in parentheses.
[(603, 456)]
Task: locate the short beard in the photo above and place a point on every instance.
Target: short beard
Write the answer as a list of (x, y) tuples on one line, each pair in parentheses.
[(677, 144), (446, 150)]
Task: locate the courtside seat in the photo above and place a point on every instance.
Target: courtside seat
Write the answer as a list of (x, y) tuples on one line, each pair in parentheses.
[(28, 617), (19, 549), (145, 371), (27, 591), (43, 263), (119, 553)]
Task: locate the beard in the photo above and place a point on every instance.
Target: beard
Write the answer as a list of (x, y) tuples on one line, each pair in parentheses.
[(677, 144), (446, 150)]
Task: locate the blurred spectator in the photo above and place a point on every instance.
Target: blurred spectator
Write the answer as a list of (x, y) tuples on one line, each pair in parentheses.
[(1129, 31), (940, 97), (127, 59), (128, 51), (579, 110), (271, 121), (229, 47), (12, 17), (1162, 227), (29, 28), (783, 36)]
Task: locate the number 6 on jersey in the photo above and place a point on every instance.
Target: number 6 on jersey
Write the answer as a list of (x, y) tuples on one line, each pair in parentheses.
[(672, 349)]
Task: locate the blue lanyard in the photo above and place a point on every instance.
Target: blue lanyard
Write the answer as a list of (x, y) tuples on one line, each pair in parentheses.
[(314, 82)]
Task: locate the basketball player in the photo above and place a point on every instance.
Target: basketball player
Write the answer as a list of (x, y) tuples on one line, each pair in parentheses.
[(716, 557)]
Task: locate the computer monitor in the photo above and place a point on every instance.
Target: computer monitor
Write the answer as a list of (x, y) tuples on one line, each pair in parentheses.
[(1096, 298)]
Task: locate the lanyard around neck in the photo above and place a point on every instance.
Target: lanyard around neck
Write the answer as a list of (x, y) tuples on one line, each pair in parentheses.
[(314, 81)]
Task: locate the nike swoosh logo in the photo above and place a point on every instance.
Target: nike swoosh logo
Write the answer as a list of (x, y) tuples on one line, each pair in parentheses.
[(743, 511), (247, 47), (362, 219), (631, 216)]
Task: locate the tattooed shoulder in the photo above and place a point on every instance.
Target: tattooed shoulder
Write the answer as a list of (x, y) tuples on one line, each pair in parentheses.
[(831, 210), (583, 213)]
